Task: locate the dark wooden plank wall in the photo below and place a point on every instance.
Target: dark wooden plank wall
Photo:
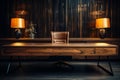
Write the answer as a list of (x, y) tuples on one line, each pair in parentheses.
[(76, 16)]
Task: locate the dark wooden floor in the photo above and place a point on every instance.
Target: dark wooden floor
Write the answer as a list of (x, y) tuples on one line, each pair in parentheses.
[(46, 71)]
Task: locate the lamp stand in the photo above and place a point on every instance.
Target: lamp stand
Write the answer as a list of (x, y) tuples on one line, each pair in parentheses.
[(102, 33), (18, 33)]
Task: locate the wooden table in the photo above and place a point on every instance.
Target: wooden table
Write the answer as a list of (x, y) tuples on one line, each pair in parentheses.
[(70, 49)]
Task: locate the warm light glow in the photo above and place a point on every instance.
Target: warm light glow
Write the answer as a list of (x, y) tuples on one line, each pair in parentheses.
[(18, 44), (102, 44), (17, 23), (103, 23)]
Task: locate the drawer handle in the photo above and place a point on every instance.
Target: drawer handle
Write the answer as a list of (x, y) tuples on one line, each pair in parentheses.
[(81, 52), (94, 51)]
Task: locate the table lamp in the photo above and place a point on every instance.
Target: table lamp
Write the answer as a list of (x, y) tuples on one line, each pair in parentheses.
[(18, 24), (101, 25)]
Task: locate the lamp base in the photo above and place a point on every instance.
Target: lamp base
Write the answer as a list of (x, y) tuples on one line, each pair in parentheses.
[(102, 33), (17, 33)]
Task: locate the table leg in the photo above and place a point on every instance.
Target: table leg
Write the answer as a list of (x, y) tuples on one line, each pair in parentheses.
[(110, 67), (8, 67)]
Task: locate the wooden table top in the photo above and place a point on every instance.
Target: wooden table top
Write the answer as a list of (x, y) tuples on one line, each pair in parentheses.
[(21, 44)]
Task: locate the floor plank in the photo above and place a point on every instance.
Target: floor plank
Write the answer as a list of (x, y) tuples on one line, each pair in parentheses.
[(46, 71)]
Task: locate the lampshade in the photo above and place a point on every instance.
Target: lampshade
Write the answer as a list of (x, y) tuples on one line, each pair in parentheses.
[(17, 23), (103, 23)]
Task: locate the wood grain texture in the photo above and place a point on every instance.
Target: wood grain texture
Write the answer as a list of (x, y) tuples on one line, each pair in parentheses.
[(49, 49)]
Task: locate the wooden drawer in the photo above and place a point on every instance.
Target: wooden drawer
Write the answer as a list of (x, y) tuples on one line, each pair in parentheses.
[(106, 51), (97, 51)]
